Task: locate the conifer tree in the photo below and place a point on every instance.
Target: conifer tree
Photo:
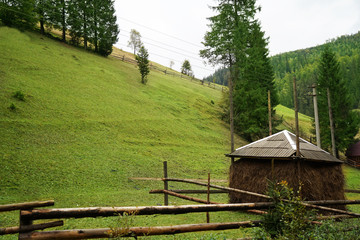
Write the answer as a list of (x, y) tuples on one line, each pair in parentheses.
[(346, 122), (108, 29), (250, 95), (237, 41), (143, 64)]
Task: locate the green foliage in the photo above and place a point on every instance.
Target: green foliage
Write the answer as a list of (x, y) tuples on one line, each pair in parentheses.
[(18, 13), (135, 40), (346, 122), (237, 42), (304, 65), (186, 68), (12, 107), (143, 64), (19, 95), (288, 219)]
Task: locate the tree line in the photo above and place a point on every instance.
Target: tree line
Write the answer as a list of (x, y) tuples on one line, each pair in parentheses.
[(90, 23)]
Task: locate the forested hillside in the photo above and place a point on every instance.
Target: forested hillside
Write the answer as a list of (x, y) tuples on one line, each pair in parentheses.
[(304, 63)]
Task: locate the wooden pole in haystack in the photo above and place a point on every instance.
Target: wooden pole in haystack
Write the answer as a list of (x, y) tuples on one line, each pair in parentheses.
[(296, 119), (297, 134), (269, 109), (316, 116), (331, 125)]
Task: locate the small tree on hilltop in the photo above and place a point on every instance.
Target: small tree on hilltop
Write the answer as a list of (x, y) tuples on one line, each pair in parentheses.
[(143, 63), (186, 68), (135, 40)]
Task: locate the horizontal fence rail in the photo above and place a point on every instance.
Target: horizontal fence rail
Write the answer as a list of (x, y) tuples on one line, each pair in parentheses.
[(135, 231)]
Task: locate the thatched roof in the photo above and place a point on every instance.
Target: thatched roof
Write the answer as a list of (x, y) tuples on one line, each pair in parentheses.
[(282, 145)]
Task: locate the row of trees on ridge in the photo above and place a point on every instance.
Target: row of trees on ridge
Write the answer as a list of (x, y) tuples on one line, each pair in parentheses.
[(90, 22)]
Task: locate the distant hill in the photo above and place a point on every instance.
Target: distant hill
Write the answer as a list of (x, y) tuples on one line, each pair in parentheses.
[(304, 64)]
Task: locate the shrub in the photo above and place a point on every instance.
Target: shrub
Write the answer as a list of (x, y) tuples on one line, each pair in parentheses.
[(12, 107), (19, 95), (287, 219)]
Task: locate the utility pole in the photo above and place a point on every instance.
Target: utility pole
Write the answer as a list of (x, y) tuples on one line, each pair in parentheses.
[(333, 145), (316, 115), (296, 119), (269, 108)]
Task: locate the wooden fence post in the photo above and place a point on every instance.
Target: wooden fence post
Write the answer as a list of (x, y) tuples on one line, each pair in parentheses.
[(208, 199), (166, 198), (24, 222)]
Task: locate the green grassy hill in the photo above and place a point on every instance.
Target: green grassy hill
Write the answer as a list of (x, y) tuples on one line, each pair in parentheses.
[(87, 125)]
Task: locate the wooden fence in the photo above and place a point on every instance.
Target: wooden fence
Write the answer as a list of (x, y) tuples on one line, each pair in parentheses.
[(172, 73), (28, 214)]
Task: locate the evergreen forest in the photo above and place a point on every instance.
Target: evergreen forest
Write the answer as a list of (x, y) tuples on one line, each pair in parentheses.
[(304, 65)]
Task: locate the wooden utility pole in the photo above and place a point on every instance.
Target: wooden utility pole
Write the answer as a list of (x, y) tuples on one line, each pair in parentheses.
[(269, 108), (332, 130), (296, 119), (316, 116)]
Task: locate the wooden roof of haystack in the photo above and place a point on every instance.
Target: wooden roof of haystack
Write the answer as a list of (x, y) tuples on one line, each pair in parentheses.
[(282, 145)]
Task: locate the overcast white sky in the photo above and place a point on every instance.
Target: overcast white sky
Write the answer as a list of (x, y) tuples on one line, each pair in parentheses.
[(173, 30)]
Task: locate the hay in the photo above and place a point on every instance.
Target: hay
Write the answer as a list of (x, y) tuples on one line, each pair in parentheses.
[(321, 181)]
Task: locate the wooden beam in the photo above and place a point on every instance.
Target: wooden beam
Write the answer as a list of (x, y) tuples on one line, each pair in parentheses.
[(182, 209), (352, 191), (264, 196), (141, 210), (26, 205), (135, 231), (160, 191), (187, 197), (162, 179), (29, 228)]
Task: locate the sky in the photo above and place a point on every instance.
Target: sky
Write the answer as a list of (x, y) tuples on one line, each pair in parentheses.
[(173, 30)]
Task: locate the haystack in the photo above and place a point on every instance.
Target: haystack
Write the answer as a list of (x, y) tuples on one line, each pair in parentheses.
[(274, 158)]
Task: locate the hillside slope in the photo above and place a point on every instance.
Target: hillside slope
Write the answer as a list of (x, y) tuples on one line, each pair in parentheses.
[(87, 120)]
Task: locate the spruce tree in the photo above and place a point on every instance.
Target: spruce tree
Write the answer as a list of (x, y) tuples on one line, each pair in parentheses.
[(237, 41), (107, 26), (143, 63), (346, 122), (250, 95)]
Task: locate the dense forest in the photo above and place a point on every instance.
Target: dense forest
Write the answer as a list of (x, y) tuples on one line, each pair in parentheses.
[(304, 65)]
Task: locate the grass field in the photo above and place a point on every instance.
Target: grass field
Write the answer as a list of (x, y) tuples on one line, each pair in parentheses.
[(87, 125)]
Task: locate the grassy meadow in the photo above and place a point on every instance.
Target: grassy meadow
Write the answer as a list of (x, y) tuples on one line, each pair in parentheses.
[(87, 125)]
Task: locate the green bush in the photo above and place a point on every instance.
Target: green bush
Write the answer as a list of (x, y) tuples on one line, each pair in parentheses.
[(19, 95), (287, 219), (12, 107)]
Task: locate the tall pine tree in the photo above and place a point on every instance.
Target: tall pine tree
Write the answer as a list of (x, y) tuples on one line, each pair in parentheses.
[(237, 41), (250, 95), (346, 122)]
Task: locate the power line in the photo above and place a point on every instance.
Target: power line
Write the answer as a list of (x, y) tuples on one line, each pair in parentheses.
[(165, 44), (166, 49), (165, 34), (151, 53)]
